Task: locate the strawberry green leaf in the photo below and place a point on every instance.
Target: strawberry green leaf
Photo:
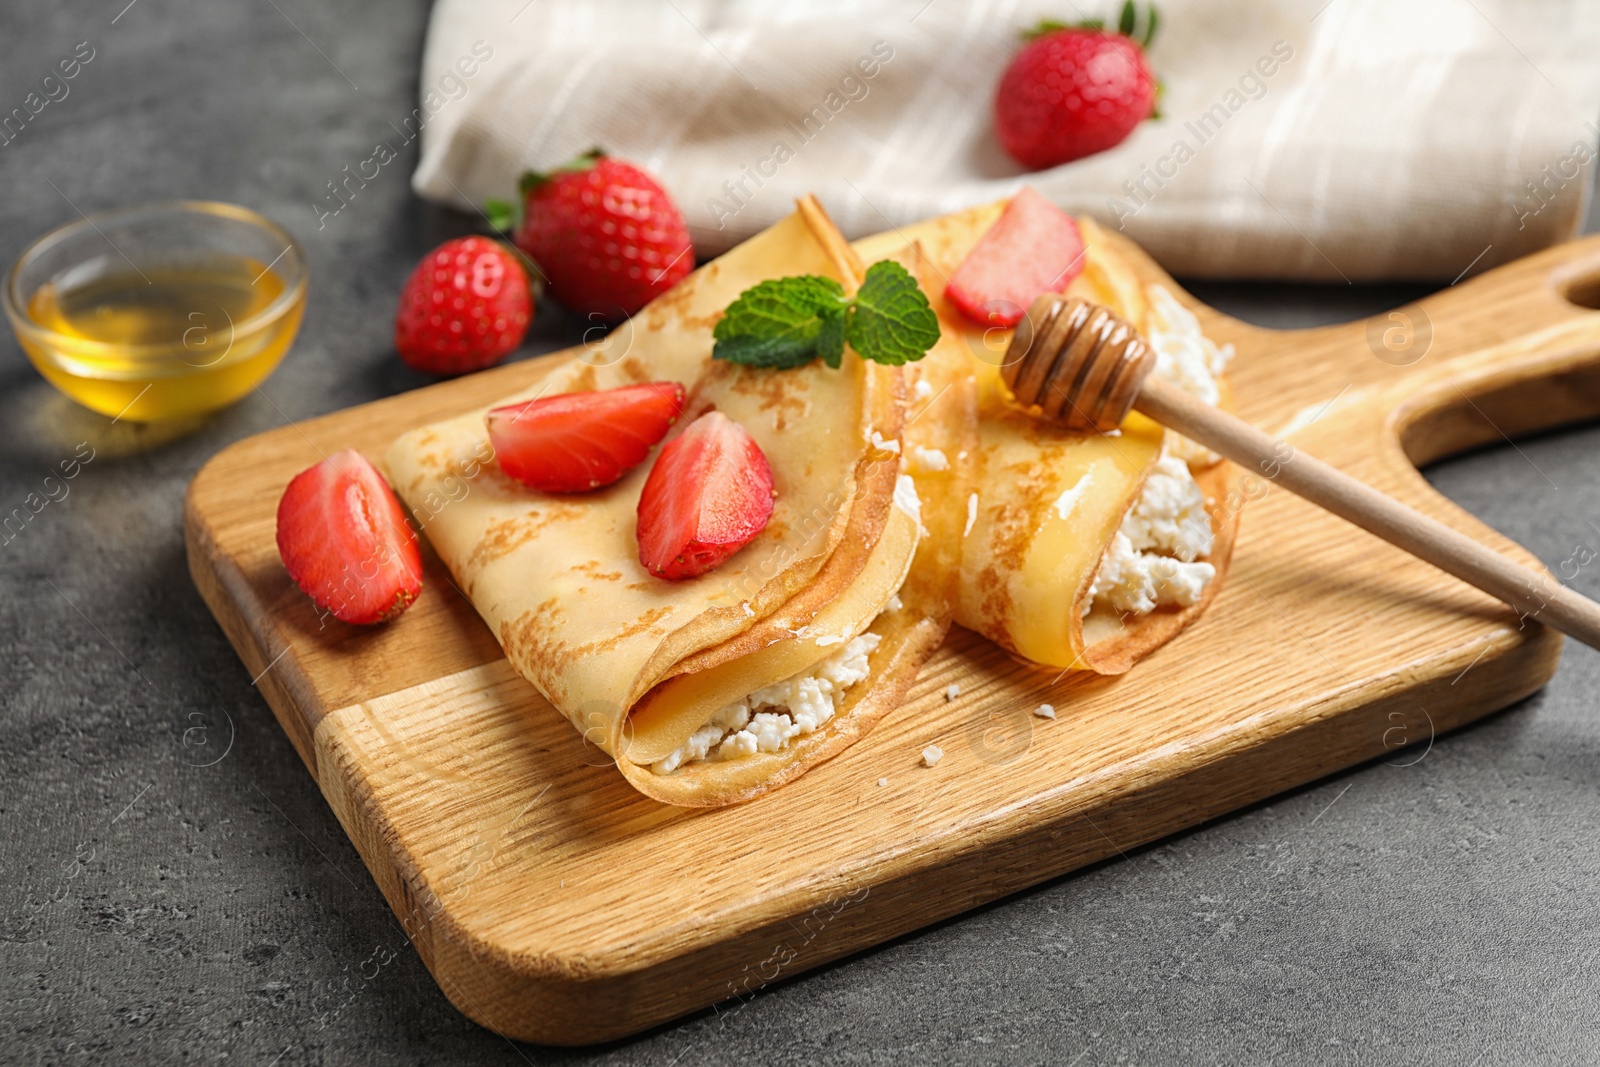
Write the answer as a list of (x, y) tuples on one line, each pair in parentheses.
[(1048, 26), (1133, 21), (502, 215), (782, 323), (532, 179), (892, 322)]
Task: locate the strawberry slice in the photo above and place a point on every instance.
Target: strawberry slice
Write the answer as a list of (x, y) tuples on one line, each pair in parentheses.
[(574, 442), (344, 539), (1034, 247), (709, 493)]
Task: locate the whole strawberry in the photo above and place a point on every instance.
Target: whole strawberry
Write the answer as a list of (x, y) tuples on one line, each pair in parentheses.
[(465, 307), (1075, 90), (605, 233)]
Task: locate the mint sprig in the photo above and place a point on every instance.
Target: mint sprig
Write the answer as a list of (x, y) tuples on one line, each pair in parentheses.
[(787, 322)]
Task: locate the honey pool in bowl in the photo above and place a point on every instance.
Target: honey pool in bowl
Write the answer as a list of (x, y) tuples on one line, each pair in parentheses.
[(159, 311)]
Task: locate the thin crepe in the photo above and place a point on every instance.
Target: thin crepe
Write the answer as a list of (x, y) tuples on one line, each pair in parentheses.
[(1048, 503), (558, 579)]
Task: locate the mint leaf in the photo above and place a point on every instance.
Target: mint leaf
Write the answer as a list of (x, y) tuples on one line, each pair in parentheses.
[(830, 342), (892, 322), (782, 323), (793, 346)]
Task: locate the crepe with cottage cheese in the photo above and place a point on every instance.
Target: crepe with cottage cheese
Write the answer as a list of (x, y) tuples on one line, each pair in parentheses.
[(719, 688), (1086, 551)]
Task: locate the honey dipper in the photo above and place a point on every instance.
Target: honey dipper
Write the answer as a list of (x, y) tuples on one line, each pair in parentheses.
[(1085, 369)]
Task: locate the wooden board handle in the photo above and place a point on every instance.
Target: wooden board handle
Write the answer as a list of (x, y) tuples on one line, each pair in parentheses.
[(1532, 593)]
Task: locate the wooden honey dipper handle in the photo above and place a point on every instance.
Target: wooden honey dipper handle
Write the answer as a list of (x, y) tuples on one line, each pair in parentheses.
[(1533, 593), (1054, 378)]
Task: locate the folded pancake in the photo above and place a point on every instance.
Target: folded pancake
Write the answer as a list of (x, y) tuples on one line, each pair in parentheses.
[(1086, 551), (712, 690)]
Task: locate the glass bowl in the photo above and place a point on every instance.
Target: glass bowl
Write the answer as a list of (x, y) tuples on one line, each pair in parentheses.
[(159, 310)]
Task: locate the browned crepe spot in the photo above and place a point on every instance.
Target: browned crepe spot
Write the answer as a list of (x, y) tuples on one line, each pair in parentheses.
[(507, 535), (531, 634), (594, 569)]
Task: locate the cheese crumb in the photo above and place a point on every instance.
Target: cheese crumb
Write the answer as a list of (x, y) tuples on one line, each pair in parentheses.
[(932, 755), (923, 389), (952, 691), (907, 500), (929, 459), (884, 444), (883, 781), (1069, 499), (1045, 711)]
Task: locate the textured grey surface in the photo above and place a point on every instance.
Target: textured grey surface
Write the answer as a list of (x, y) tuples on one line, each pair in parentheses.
[(156, 909)]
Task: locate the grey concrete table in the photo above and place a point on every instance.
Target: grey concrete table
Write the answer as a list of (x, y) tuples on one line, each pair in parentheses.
[(174, 887)]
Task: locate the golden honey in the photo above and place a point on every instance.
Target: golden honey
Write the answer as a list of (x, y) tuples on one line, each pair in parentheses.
[(163, 341)]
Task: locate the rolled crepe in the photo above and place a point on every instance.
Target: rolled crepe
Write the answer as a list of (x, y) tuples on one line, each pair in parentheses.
[(641, 665), (1044, 572)]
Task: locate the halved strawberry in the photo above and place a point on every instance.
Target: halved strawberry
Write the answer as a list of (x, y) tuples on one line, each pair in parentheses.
[(708, 494), (344, 539), (1034, 247), (574, 442)]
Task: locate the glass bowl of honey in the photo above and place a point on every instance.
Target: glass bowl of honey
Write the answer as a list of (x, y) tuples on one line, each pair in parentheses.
[(161, 310)]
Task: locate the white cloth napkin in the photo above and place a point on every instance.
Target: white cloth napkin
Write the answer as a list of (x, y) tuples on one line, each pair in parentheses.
[(1340, 141)]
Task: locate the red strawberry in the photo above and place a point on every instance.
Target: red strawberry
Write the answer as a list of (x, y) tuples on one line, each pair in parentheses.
[(1074, 91), (574, 442), (465, 307), (607, 236), (344, 539), (1034, 247), (709, 493)]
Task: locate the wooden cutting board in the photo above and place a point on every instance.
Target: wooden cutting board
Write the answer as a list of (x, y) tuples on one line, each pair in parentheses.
[(553, 903)]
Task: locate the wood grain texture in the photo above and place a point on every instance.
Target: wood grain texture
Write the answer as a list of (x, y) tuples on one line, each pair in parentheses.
[(554, 903)]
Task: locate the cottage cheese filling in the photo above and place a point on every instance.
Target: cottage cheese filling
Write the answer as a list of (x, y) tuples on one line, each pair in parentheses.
[(1155, 559), (769, 719), (1187, 358)]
